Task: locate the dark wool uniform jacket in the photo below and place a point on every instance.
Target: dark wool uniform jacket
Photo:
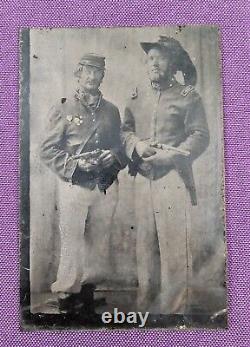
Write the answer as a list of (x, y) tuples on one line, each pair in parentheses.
[(173, 116), (72, 124)]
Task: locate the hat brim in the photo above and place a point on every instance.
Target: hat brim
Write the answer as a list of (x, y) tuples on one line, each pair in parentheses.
[(182, 59), (146, 46), (91, 63)]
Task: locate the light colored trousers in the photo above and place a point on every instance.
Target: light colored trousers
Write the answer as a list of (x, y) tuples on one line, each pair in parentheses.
[(164, 257), (85, 227)]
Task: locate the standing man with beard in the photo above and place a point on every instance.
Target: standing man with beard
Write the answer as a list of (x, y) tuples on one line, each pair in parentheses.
[(164, 131), (83, 147)]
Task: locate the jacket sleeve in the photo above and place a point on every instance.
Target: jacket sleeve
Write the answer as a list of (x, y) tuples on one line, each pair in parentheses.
[(52, 150), (197, 140), (118, 148), (196, 128), (129, 138)]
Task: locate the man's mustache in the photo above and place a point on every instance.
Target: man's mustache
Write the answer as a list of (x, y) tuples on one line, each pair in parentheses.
[(92, 81), (156, 69)]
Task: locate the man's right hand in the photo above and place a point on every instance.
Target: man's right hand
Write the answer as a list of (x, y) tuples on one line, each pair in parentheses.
[(144, 150)]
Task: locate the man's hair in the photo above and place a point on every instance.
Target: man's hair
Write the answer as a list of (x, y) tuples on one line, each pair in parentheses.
[(165, 52)]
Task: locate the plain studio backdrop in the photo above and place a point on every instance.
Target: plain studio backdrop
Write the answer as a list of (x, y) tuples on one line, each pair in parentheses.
[(53, 58)]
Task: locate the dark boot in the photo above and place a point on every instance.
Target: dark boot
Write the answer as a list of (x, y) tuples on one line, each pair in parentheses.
[(87, 304), (81, 305), (67, 305), (86, 297)]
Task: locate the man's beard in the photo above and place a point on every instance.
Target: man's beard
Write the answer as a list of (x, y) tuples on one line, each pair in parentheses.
[(159, 77), (91, 89)]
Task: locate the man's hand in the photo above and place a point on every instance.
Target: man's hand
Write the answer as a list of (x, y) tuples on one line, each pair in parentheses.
[(88, 166), (107, 158), (160, 159), (144, 150)]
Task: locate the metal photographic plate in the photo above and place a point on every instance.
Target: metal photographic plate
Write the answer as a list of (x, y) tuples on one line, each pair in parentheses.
[(122, 178)]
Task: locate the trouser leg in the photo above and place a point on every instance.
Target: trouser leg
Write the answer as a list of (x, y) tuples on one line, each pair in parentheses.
[(97, 236), (73, 210), (170, 207), (147, 248)]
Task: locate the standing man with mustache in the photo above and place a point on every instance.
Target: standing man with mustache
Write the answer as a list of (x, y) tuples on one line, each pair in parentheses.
[(164, 131), (83, 147)]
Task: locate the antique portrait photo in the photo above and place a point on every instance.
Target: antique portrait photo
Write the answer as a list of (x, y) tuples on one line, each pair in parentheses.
[(122, 178)]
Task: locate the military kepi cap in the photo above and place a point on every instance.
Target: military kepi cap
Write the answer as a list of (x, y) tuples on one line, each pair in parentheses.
[(178, 55), (92, 59)]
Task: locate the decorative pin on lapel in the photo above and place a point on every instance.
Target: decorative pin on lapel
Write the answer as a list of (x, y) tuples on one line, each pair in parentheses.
[(69, 117), (77, 119)]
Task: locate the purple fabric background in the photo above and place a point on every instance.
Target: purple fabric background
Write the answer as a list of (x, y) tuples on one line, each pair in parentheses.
[(233, 20)]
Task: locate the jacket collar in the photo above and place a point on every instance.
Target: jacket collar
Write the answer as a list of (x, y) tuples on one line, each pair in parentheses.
[(163, 86), (92, 102)]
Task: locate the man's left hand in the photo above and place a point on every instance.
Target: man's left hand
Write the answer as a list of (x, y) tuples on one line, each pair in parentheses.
[(162, 159), (107, 158)]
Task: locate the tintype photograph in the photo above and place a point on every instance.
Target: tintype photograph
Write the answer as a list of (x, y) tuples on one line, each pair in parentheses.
[(122, 178)]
